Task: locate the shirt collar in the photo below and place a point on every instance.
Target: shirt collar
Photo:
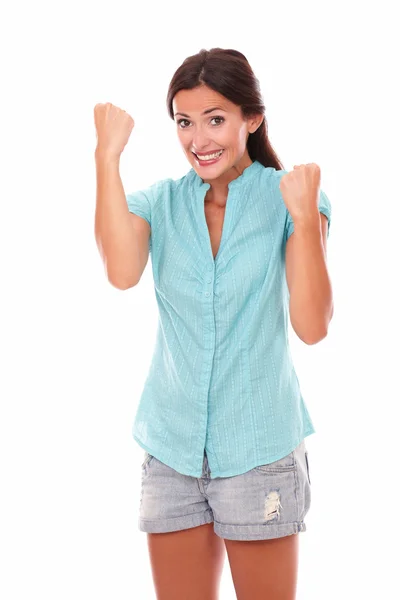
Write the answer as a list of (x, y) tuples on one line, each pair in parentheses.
[(248, 173)]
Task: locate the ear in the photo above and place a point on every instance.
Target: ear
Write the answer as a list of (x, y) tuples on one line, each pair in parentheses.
[(255, 122)]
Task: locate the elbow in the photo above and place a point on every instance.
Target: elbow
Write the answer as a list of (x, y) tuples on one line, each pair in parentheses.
[(121, 284), (121, 279), (310, 341), (312, 338), (312, 330), (125, 287)]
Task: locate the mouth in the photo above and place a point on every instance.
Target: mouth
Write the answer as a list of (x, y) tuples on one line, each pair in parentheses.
[(208, 158)]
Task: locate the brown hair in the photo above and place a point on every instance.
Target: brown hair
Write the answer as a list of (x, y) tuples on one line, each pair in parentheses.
[(228, 73)]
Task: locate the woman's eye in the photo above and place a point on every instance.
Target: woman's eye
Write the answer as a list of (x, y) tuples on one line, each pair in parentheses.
[(180, 121)]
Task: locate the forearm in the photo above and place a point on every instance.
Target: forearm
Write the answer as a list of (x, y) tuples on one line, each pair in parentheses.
[(311, 302), (114, 233)]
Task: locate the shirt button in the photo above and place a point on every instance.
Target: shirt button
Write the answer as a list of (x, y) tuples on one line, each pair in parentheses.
[(209, 280), (207, 293), (210, 268)]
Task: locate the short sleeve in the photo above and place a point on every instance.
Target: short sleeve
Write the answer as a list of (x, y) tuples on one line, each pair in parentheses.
[(324, 207), (139, 204)]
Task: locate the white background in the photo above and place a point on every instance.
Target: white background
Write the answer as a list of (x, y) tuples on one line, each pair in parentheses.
[(75, 350)]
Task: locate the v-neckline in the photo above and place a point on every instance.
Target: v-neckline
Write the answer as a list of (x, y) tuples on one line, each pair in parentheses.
[(222, 230), (201, 188)]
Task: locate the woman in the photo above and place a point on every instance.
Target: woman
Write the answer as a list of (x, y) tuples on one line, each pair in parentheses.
[(238, 247)]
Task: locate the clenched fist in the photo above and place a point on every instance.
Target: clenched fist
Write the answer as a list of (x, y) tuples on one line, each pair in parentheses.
[(300, 191), (113, 128)]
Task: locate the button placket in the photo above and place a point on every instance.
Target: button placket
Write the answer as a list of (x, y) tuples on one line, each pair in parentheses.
[(209, 280)]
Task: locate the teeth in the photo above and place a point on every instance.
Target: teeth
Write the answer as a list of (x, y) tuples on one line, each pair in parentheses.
[(210, 156)]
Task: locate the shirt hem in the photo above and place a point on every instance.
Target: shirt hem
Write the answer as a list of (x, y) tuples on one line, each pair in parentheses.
[(262, 461), (229, 472), (160, 457)]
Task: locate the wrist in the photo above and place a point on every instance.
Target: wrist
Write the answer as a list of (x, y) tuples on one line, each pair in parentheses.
[(308, 221), (105, 156)]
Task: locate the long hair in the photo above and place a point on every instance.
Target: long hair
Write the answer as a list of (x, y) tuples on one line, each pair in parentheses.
[(228, 73)]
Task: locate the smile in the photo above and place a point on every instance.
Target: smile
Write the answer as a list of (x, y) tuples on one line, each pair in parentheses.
[(208, 158)]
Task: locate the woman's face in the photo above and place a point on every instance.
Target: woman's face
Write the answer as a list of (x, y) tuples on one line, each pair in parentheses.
[(202, 132)]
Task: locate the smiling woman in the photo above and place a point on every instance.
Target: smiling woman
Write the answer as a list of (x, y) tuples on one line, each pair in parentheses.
[(221, 416)]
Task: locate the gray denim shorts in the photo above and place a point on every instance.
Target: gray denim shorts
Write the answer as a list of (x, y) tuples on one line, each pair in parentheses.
[(269, 501)]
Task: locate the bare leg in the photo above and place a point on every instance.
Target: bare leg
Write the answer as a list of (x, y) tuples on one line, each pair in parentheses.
[(187, 564), (264, 569)]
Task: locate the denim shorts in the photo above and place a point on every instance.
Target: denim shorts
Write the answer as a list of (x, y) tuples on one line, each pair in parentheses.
[(269, 501)]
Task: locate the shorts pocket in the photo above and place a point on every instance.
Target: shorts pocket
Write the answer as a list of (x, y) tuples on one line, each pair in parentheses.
[(282, 465)]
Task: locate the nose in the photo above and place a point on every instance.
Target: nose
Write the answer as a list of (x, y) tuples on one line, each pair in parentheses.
[(200, 141)]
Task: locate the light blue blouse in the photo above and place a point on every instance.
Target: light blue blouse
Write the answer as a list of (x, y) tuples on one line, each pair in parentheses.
[(221, 378)]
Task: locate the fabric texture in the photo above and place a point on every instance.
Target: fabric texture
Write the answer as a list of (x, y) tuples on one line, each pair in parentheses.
[(221, 378)]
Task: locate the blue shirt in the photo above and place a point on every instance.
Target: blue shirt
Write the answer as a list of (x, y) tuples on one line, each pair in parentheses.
[(221, 378)]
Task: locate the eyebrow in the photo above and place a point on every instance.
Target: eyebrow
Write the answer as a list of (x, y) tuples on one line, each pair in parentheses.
[(205, 112)]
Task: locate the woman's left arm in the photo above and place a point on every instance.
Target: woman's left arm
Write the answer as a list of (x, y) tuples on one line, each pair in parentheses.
[(311, 300)]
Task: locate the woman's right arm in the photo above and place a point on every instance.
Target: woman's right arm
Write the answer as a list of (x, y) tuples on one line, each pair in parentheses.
[(122, 237)]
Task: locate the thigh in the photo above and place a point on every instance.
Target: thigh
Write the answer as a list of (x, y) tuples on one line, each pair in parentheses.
[(187, 564), (264, 568)]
